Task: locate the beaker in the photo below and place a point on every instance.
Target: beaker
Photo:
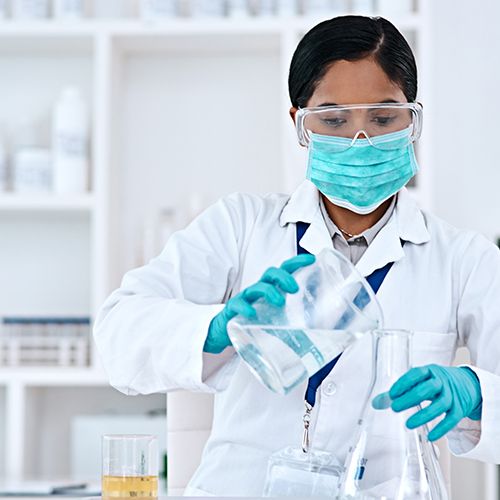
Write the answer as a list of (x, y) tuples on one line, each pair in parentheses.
[(129, 466), (283, 346), (387, 460)]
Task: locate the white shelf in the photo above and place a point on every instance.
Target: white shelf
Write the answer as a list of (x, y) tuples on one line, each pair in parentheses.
[(235, 68), (177, 26), (53, 377), (46, 202)]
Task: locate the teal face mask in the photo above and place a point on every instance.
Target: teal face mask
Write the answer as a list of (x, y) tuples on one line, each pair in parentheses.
[(361, 174)]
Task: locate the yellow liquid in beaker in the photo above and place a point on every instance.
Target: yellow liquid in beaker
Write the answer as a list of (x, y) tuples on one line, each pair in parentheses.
[(129, 486)]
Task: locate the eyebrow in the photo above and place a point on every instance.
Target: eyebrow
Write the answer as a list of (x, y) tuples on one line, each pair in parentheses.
[(385, 101)]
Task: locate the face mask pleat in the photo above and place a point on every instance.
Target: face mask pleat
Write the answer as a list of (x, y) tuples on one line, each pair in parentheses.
[(362, 176)]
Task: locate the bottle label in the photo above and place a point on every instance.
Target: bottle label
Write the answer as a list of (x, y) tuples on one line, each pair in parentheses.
[(70, 145)]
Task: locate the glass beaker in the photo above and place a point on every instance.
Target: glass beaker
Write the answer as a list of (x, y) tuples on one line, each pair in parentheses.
[(388, 460), (283, 346), (129, 466)]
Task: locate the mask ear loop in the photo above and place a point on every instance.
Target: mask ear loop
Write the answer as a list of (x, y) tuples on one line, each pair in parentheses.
[(356, 137)]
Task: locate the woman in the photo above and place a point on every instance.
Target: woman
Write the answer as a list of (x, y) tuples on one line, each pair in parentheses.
[(353, 86)]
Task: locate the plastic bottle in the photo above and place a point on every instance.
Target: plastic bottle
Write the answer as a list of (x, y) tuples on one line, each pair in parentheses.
[(239, 8), (364, 6), (32, 170), (111, 9), (3, 10), (151, 10), (266, 8), (3, 166), (208, 8), (68, 10), (70, 142), (286, 8), (167, 225), (30, 9), (390, 7), (324, 7)]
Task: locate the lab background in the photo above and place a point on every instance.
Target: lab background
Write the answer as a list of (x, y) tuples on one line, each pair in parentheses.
[(182, 111)]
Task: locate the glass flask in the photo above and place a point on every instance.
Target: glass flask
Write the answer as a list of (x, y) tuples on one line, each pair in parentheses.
[(388, 460), (284, 346)]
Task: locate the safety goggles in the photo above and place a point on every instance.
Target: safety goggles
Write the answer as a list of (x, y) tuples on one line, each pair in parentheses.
[(361, 122)]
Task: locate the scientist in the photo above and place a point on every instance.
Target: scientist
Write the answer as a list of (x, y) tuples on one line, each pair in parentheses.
[(353, 89)]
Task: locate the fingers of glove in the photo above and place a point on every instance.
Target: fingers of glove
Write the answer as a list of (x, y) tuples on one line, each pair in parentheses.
[(409, 379), (303, 260), (217, 339), (238, 305), (280, 278), (424, 416), (266, 291), (381, 401), (446, 425), (424, 391)]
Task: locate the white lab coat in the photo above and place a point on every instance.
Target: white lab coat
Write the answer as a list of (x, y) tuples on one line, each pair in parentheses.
[(444, 285)]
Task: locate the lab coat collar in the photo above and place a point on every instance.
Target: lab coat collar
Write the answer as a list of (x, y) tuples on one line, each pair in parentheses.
[(303, 206), (407, 223)]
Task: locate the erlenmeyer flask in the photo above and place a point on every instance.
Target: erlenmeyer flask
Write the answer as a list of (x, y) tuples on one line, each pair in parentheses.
[(284, 346), (388, 461)]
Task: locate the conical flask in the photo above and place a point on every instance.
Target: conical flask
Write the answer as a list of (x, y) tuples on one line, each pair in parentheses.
[(387, 460)]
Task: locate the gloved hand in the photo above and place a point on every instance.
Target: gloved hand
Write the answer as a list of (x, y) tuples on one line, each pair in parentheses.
[(451, 390), (275, 282)]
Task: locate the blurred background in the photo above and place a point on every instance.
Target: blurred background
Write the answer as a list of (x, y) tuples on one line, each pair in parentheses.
[(158, 108)]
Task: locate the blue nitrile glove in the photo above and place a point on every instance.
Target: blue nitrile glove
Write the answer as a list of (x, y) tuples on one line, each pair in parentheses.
[(275, 282), (451, 390)]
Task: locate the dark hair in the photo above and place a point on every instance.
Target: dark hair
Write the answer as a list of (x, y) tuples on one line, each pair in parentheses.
[(351, 38)]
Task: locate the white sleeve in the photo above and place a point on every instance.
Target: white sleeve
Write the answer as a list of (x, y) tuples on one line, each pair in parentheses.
[(479, 329), (151, 331)]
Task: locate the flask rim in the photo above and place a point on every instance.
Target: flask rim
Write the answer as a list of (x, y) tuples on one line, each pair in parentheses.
[(392, 332)]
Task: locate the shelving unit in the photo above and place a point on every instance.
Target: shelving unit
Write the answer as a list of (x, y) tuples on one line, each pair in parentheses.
[(160, 94), (28, 203)]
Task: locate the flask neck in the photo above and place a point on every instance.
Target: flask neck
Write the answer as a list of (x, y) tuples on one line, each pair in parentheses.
[(391, 356)]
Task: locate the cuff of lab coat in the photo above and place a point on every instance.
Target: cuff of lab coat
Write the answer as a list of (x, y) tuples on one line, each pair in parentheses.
[(177, 360), (210, 371), (219, 368), (477, 439)]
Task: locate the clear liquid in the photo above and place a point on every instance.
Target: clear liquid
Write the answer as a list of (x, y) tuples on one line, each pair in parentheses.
[(283, 357), (116, 487)]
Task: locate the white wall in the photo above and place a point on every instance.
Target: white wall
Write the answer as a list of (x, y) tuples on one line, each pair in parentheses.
[(467, 79)]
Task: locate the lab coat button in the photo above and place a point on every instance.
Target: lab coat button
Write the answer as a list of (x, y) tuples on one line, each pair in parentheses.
[(330, 389)]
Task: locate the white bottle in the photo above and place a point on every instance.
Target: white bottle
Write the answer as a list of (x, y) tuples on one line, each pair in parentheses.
[(167, 225), (286, 8), (3, 167), (324, 7), (68, 10), (3, 10), (30, 9), (151, 10), (111, 9), (266, 8), (391, 7), (363, 6), (32, 170), (208, 8), (239, 8), (70, 143)]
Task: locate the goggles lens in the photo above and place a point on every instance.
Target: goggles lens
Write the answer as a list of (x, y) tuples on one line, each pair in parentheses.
[(371, 120)]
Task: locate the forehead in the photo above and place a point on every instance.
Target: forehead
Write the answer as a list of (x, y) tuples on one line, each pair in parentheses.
[(355, 82)]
